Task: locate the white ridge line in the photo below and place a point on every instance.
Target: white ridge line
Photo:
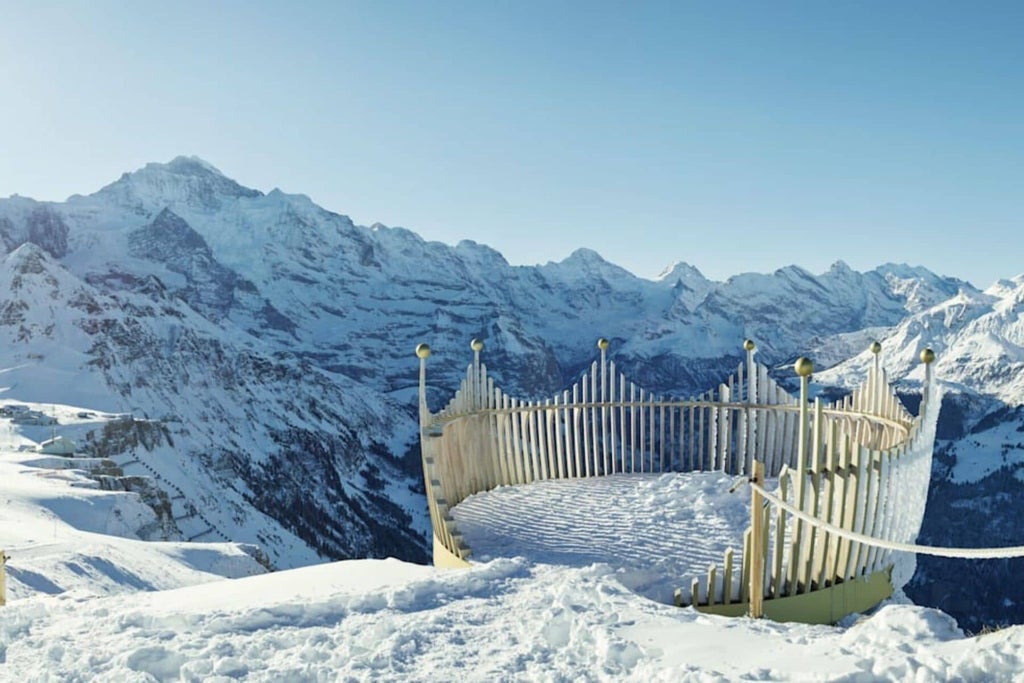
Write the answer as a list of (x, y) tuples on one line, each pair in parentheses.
[(939, 551)]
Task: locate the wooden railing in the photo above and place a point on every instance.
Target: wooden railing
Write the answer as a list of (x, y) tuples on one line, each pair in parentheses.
[(856, 474), (844, 462)]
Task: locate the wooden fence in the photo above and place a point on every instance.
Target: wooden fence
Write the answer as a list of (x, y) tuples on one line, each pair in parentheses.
[(846, 462)]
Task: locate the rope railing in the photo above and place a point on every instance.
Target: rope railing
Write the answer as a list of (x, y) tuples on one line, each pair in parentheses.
[(937, 551)]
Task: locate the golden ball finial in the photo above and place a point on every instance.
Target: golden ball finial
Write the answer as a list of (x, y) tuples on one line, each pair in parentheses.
[(602, 344), (477, 345), (422, 351), (927, 356), (875, 347), (749, 344), (803, 366)]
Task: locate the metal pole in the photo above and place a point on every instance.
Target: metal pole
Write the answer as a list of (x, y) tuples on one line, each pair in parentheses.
[(423, 353), (804, 367), (927, 357), (477, 389), (752, 389)]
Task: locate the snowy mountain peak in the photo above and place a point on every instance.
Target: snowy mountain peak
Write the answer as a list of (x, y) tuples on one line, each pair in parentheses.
[(840, 267), (922, 288), (32, 261), (795, 272), (27, 258), (1005, 287), (680, 270), (190, 165), (585, 261), (905, 271), (584, 255), (481, 254), (189, 181)]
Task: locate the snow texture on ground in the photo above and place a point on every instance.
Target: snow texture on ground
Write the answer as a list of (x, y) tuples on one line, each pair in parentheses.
[(506, 620), (657, 531)]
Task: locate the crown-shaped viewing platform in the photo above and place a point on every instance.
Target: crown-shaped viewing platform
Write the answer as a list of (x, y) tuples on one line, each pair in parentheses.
[(849, 476)]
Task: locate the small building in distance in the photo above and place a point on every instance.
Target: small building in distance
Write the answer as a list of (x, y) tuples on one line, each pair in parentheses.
[(33, 417), (58, 445), (12, 409)]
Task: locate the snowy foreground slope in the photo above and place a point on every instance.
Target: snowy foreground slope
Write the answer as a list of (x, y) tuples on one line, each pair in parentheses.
[(136, 611), (507, 620)]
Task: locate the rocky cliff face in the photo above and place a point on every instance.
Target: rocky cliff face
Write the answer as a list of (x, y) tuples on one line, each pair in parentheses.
[(34, 223), (269, 449), (273, 341)]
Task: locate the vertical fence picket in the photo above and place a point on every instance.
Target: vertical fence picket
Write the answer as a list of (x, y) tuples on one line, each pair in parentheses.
[(888, 512), (643, 431), (731, 423), (604, 419), (745, 570), (595, 417), (531, 441), (849, 503), (671, 439), (585, 424), (661, 437), (522, 445), (612, 431), (878, 504), (651, 434), (826, 561), (577, 444), (632, 427), (771, 428), (727, 562), (724, 396), (712, 454), (682, 437), (622, 422), (701, 463), (858, 551), (544, 437), (777, 577), (548, 422), (692, 462), (500, 422)]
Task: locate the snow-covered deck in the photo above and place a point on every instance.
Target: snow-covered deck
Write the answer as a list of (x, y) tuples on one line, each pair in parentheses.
[(657, 531)]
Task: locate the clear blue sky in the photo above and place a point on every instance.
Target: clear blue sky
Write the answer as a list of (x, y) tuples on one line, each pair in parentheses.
[(736, 136)]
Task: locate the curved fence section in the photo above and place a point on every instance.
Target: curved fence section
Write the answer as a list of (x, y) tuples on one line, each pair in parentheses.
[(861, 463), (851, 479)]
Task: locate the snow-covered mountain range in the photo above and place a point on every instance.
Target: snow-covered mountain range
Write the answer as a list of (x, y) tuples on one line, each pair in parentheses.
[(263, 347)]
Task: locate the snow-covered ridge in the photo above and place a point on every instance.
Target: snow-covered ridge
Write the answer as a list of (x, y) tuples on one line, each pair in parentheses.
[(319, 274), (978, 338)]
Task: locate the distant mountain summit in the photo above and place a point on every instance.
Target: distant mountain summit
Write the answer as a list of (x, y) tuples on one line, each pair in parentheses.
[(188, 180)]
